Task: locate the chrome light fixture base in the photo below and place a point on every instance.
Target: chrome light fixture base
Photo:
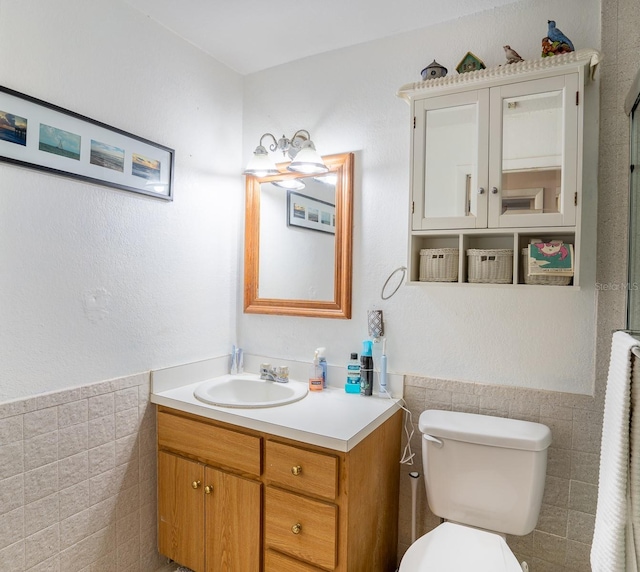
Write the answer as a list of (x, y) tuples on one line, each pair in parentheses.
[(299, 148)]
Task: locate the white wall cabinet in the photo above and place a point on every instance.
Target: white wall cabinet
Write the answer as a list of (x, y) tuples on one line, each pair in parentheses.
[(497, 157)]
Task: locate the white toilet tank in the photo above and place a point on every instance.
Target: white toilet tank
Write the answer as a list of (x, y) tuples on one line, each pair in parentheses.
[(484, 471)]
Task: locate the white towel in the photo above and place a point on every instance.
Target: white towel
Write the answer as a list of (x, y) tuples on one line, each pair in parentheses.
[(608, 551)]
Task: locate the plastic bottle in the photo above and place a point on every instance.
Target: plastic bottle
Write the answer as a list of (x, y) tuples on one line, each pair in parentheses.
[(366, 369), (315, 374), (323, 364), (353, 375)]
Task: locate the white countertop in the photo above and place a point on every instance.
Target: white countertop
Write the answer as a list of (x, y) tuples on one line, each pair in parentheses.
[(329, 418)]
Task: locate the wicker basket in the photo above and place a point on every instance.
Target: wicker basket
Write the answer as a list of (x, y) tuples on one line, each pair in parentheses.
[(494, 266), (549, 280), (439, 264)]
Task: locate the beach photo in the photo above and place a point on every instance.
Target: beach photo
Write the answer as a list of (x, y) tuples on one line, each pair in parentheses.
[(145, 168), (59, 142), (107, 156), (299, 211), (13, 128)]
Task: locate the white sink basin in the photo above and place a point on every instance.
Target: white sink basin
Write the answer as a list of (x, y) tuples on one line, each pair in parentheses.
[(248, 390)]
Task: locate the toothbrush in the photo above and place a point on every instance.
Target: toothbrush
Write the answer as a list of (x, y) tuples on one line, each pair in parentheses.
[(383, 368)]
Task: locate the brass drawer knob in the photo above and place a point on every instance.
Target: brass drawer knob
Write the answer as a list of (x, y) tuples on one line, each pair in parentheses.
[(196, 484), (208, 490), (296, 528), (296, 470)]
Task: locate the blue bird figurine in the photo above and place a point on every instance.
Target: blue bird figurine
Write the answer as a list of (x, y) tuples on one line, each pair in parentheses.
[(556, 35)]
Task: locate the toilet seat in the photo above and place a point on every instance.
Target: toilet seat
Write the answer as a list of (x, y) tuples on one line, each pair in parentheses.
[(454, 547)]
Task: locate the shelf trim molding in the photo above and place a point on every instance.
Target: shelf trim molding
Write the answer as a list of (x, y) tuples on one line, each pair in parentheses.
[(582, 57)]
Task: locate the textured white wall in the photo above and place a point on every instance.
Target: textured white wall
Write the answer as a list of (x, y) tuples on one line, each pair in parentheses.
[(97, 283), (346, 99)]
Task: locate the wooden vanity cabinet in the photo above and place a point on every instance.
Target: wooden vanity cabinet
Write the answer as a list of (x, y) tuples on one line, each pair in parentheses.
[(209, 506), (276, 505)]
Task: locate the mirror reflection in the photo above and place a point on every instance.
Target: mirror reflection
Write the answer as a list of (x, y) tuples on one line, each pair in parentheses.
[(298, 241), (451, 161), (532, 153), (530, 159)]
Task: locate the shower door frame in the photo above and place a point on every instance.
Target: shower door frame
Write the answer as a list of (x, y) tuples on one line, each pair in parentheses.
[(632, 109)]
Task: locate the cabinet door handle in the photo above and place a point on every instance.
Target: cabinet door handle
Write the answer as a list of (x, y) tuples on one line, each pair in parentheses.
[(494, 190), (196, 484), (208, 490), (296, 528), (481, 191), (296, 470)]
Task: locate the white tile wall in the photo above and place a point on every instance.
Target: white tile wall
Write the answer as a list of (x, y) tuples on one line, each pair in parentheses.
[(78, 480)]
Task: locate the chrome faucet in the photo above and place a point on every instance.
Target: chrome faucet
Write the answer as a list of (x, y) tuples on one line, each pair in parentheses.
[(279, 374)]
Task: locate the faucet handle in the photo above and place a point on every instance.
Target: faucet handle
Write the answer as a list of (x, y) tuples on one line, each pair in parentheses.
[(265, 367)]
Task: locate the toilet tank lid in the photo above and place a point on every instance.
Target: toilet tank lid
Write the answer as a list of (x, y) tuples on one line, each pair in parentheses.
[(485, 430)]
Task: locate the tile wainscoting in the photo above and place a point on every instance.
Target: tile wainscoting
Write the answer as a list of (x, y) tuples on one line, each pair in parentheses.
[(78, 480), (562, 538)]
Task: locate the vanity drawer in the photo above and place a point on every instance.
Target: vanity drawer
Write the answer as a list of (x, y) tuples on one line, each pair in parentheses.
[(276, 562), (215, 445), (301, 527), (299, 469)]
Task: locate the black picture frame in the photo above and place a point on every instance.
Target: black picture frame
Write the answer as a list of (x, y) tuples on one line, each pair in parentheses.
[(310, 213), (43, 136)]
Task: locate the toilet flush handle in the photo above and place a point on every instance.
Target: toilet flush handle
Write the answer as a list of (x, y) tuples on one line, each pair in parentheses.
[(435, 441)]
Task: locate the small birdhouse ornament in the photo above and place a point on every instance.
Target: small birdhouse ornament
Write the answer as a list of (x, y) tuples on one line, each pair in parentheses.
[(433, 70), (555, 42), (470, 63)]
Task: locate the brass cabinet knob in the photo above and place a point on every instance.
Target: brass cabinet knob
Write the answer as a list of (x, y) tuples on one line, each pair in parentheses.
[(208, 490), (296, 528), (196, 484), (296, 470)]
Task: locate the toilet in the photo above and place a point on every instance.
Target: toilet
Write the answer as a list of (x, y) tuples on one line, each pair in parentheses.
[(485, 477)]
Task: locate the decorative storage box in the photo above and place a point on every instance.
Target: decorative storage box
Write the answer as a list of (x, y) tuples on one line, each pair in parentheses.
[(439, 264), (549, 280), (490, 265)]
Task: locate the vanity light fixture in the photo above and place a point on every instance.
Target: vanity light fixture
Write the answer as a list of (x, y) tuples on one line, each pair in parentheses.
[(331, 179), (300, 148), (290, 184)]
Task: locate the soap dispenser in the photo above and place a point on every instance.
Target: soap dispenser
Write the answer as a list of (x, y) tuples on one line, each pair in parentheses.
[(315, 374)]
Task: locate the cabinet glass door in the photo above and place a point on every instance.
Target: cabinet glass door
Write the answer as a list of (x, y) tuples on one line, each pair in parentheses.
[(533, 153), (450, 184)]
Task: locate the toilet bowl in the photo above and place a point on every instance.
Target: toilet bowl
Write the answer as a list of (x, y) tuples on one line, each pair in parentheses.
[(485, 476), (454, 547)]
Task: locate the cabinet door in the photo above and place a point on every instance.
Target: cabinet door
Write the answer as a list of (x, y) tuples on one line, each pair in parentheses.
[(181, 510), (232, 506), (450, 161), (533, 154)]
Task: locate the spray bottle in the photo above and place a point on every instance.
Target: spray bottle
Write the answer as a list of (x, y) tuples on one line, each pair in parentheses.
[(315, 374)]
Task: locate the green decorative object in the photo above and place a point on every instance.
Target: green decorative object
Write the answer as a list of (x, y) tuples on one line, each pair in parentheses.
[(470, 63), (550, 48)]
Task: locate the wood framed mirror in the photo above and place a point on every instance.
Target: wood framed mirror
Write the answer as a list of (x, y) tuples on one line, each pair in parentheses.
[(298, 237)]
